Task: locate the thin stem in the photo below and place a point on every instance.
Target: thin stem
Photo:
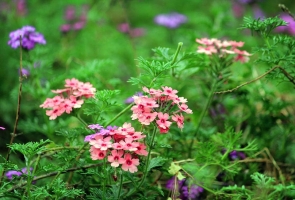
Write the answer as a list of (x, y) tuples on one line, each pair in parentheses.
[(119, 114), (146, 164), (13, 135), (202, 116), (175, 57), (105, 178), (256, 79), (120, 187)]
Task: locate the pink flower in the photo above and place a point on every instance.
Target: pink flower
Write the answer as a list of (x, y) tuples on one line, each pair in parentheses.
[(54, 113), (185, 108), (129, 164), (169, 91), (163, 120), (2, 128), (72, 83), (178, 119), (147, 118), (68, 98), (97, 154), (141, 150), (102, 144), (116, 158), (129, 145), (126, 129)]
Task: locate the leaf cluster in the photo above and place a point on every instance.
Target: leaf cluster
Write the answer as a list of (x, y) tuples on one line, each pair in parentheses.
[(263, 187), (262, 26)]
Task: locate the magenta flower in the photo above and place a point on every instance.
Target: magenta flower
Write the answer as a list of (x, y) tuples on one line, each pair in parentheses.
[(29, 38), (171, 20), (133, 32), (290, 28), (12, 173)]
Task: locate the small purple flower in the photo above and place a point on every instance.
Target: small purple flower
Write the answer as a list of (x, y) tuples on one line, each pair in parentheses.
[(130, 100), (2, 128), (170, 184), (74, 22), (135, 32), (290, 28), (186, 192), (25, 72), (12, 173), (95, 126), (234, 155), (29, 38), (191, 192), (171, 20), (90, 137)]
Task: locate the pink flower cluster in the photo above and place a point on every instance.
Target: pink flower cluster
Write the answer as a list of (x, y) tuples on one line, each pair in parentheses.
[(160, 107), (223, 48), (68, 98), (119, 145)]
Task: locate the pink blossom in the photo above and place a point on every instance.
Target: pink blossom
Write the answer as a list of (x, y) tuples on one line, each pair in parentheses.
[(102, 144), (147, 118), (141, 150), (129, 164), (116, 158), (169, 91), (185, 108), (178, 119), (97, 154), (129, 144), (68, 98), (163, 120)]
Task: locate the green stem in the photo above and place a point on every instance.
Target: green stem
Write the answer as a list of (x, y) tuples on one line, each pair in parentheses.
[(120, 187), (175, 57), (105, 178), (81, 120), (201, 117), (118, 115), (146, 164)]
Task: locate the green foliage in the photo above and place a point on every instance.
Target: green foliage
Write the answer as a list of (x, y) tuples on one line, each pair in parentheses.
[(30, 149), (263, 26), (57, 190), (264, 187), (156, 162)]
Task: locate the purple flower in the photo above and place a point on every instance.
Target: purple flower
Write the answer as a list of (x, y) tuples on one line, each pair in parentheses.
[(95, 126), (170, 184), (29, 38), (25, 72), (2, 128), (130, 100), (234, 155), (186, 191), (73, 22), (191, 192), (171, 20), (12, 173), (90, 137), (290, 28), (135, 32)]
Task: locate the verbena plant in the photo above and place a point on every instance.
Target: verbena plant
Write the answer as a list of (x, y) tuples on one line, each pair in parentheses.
[(158, 146)]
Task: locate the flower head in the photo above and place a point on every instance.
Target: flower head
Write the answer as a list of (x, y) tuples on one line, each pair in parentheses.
[(171, 20), (29, 38), (68, 99), (223, 49)]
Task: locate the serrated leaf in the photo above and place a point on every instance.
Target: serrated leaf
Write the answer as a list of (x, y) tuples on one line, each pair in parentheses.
[(156, 162)]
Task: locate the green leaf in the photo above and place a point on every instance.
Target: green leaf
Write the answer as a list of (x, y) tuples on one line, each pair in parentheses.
[(156, 162)]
